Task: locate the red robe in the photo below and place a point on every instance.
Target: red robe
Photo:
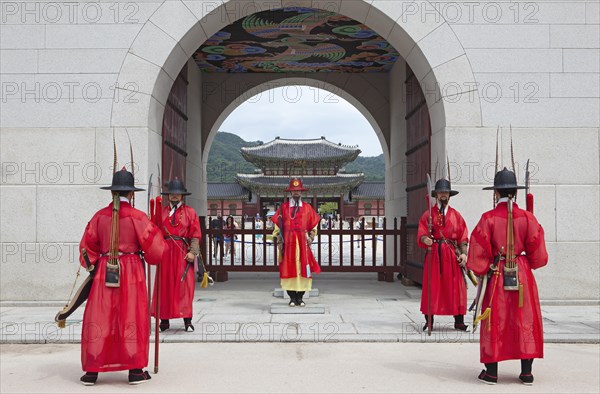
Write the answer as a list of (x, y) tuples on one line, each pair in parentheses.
[(294, 233), (116, 324), (176, 297), (448, 289), (511, 332)]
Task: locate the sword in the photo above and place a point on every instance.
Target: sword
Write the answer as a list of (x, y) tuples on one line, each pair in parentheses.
[(528, 196), (149, 192), (481, 289), (187, 267), (469, 274), (466, 273)]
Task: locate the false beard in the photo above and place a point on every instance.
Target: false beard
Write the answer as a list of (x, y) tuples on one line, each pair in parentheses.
[(443, 204)]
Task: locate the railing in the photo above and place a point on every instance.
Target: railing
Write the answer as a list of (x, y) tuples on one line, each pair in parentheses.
[(347, 249)]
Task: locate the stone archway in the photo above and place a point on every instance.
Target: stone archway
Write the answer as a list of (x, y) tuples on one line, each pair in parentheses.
[(421, 35)]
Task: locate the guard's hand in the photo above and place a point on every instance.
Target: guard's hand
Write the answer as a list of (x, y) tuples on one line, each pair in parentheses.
[(426, 240), (309, 239), (462, 260), (190, 257)]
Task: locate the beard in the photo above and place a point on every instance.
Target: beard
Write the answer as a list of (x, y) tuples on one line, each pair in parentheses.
[(443, 202), (296, 199)]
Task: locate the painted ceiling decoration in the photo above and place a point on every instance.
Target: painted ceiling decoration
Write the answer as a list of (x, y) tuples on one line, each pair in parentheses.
[(296, 39)]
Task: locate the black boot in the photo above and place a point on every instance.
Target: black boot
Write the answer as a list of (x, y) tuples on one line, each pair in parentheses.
[(137, 376), (299, 296), (293, 296), (459, 323), (89, 379), (164, 324), (187, 323), (426, 321), (490, 374), (526, 377)]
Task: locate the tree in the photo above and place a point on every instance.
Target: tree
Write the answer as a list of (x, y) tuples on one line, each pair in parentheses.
[(328, 208)]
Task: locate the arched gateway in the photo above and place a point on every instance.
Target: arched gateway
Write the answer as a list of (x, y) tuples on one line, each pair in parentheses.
[(400, 90)]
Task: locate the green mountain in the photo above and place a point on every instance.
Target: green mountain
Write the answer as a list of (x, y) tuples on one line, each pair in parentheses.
[(225, 161), (372, 166)]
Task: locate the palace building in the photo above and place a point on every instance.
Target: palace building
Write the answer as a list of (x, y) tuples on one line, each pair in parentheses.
[(318, 162)]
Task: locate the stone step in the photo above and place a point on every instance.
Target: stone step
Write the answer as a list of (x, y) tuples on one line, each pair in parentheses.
[(279, 293), (280, 308)]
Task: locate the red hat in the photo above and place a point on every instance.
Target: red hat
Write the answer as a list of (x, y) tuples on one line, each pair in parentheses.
[(296, 185)]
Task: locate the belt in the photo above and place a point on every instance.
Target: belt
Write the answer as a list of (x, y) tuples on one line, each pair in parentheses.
[(139, 252), (176, 238), (440, 241)]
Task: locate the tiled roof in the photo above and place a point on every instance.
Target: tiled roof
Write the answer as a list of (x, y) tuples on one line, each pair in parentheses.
[(340, 183), (369, 190), (228, 191), (304, 150)]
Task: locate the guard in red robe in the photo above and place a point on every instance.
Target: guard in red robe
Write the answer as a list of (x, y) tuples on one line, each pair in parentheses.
[(296, 226), (116, 323), (446, 257), (505, 255), (181, 228)]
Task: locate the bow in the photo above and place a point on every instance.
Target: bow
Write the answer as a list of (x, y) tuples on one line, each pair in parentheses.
[(81, 295)]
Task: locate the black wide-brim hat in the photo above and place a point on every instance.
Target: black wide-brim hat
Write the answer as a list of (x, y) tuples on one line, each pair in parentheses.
[(504, 179), (176, 186), (443, 185), (122, 181)]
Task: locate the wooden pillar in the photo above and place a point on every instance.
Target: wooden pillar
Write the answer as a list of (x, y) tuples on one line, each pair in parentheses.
[(341, 207), (314, 203)]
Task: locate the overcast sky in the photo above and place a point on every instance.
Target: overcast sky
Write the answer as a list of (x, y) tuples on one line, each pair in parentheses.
[(302, 112)]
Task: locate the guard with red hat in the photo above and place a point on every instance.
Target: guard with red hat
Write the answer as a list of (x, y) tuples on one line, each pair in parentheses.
[(295, 227)]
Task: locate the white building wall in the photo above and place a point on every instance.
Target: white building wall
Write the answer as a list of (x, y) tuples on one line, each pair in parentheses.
[(537, 68), (72, 75), (195, 175), (59, 66), (396, 198)]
